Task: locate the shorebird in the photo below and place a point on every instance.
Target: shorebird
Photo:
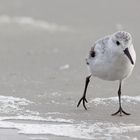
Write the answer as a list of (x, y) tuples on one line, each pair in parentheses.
[(111, 58)]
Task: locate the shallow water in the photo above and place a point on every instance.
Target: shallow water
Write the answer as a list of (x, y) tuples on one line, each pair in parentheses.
[(43, 45)]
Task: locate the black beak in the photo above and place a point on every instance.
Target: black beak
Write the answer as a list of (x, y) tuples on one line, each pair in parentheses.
[(126, 51)]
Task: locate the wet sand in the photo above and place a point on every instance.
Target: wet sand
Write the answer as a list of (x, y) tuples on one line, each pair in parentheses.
[(7, 134), (43, 45)]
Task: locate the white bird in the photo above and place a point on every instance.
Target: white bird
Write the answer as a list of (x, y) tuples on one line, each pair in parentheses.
[(111, 58)]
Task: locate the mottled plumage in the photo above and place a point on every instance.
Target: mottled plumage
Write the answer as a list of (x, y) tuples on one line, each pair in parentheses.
[(111, 58)]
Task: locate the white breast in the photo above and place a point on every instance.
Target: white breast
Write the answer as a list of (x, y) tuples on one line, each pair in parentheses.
[(111, 64)]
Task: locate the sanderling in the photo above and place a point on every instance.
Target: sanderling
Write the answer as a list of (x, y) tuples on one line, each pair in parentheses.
[(111, 58)]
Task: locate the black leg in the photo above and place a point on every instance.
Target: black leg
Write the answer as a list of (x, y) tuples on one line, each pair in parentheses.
[(84, 94), (120, 107)]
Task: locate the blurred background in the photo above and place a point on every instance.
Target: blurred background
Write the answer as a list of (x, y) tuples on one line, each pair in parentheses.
[(44, 43), (47, 41)]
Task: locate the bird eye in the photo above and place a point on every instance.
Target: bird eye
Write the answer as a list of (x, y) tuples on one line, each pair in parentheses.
[(118, 43)]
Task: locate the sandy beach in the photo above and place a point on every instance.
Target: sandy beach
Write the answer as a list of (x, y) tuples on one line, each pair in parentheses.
[(43, 46)]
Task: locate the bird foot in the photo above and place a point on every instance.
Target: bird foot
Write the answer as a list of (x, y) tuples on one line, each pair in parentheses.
[(120, 111), (84, 101)]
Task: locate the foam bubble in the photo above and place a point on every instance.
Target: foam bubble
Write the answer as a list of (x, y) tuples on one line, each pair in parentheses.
[(106, 101), (36, 118), (98, 130), (9, 104)]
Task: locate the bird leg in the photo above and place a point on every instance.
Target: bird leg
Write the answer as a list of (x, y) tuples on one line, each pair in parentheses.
[(120, 107), (84, 94)]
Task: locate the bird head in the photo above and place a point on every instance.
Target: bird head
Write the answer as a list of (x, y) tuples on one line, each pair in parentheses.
[(123, 41)]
